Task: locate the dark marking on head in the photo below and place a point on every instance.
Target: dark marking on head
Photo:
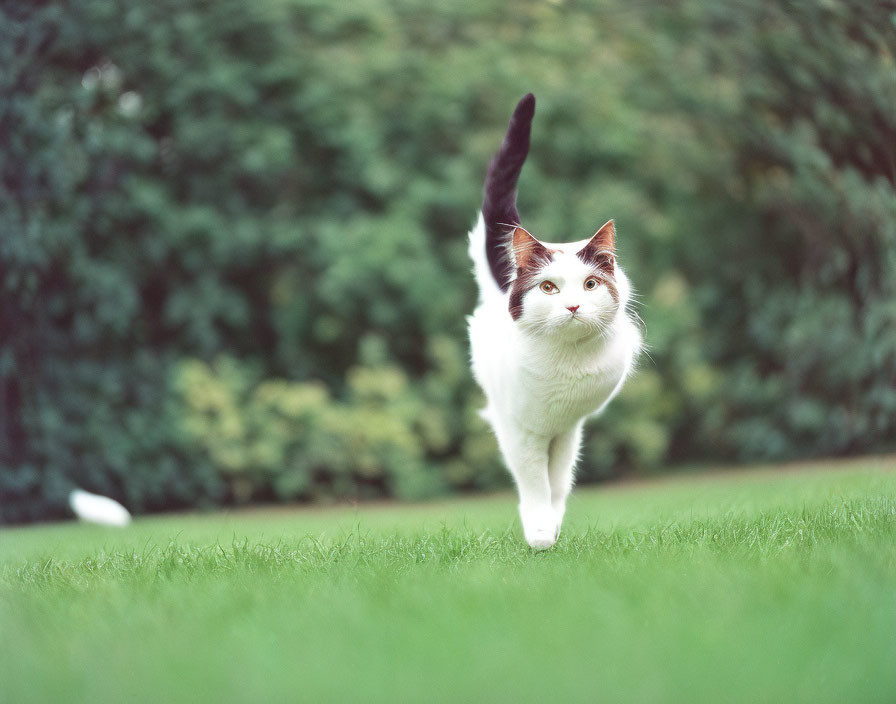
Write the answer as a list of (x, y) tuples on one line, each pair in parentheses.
[(526, 280), (600, 252), (530, 256)]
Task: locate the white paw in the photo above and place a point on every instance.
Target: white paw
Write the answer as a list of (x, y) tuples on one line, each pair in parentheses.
[(541, 539), (541, 528)]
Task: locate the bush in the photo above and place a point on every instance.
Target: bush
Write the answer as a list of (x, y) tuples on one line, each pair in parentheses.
[(273, 438)]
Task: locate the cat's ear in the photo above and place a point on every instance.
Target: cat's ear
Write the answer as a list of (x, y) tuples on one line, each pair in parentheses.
[(601, 249), (528, 251)]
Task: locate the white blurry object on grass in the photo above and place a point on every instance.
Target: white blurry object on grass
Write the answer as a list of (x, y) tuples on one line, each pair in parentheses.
[(94, 508)]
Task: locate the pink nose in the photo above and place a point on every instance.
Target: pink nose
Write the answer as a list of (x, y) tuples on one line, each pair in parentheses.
[(572, 309)]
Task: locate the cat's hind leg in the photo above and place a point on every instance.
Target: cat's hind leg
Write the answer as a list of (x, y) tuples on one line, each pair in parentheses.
[(526, 456), (563, 452)]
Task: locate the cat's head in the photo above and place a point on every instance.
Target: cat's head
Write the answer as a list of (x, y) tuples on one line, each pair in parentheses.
[(572, 290)]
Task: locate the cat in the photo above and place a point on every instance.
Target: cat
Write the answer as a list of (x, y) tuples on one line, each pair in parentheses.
[(552, 338)]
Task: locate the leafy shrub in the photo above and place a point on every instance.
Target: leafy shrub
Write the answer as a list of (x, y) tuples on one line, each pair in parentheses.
[(292, 440)]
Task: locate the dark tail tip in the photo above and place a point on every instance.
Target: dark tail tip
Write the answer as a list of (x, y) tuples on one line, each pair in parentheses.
[(525, 109), (499, 201)]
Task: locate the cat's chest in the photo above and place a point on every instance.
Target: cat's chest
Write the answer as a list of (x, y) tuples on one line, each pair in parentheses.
[(571, 384), (554, 397)]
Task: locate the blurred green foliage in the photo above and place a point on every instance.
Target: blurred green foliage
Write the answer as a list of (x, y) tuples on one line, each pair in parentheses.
[(232, 251)]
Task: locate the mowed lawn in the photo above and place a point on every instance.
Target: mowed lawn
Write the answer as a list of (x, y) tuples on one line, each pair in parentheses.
[(775, 584)]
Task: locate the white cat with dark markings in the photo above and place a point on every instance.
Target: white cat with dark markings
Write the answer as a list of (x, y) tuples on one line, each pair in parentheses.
[(552, 338)]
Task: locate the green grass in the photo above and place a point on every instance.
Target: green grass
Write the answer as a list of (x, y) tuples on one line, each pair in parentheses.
[(757, 586)]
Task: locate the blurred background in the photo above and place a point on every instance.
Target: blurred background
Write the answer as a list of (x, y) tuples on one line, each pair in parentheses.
[(232, 236)]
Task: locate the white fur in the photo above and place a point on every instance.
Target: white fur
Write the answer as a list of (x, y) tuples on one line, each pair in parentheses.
[(94, 508), (545, 373)]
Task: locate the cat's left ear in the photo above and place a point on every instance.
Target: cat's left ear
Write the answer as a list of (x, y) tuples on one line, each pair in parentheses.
[(601, 249)]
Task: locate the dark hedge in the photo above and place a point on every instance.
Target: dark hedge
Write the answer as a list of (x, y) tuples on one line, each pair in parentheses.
[(232, 235)]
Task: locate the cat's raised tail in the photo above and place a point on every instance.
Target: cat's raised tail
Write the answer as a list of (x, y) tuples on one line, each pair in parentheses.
[(499, 211)]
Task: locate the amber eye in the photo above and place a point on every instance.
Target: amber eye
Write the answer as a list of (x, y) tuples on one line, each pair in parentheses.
[(590, 283), (548, 287)]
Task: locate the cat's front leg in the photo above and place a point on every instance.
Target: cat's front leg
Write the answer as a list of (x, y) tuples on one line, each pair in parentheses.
[(527, 458), (562, 455), (540, 525)]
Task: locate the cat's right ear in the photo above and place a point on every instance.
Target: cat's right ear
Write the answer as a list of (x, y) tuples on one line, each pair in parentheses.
[(528, 252)]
